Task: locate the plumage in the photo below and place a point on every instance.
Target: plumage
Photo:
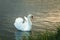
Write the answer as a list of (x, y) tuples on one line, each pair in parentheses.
[(23, 25)]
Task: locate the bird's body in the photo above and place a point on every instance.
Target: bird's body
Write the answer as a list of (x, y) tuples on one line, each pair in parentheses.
[(23, 25)]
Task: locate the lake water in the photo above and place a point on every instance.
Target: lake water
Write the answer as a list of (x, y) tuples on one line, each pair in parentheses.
[(9, 32), (11, 9)]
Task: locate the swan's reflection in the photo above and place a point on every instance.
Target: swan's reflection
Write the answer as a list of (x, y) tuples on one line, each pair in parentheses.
[(22, 35)]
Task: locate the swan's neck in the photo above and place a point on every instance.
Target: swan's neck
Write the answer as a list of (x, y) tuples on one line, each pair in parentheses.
[(28, 18), (29, 21)]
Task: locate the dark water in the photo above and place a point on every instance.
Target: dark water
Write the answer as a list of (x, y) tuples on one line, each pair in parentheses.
[(18, 35)]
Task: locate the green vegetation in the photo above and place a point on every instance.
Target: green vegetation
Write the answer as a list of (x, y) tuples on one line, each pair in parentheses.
[(45, 36), (58, 33)]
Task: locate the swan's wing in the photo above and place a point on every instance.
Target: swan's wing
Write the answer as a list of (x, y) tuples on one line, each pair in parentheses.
[(18, 23), (25, 18)]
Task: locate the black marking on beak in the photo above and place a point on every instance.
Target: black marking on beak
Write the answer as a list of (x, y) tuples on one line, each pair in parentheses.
[(32, 17)]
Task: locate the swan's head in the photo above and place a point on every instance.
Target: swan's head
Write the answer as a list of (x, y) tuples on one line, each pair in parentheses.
[(30, 16)]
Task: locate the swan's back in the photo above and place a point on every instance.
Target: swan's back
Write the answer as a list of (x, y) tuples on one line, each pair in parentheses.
[(19, 19)]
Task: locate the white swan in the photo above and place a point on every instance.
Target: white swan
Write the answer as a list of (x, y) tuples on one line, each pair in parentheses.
[(23, 25)]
